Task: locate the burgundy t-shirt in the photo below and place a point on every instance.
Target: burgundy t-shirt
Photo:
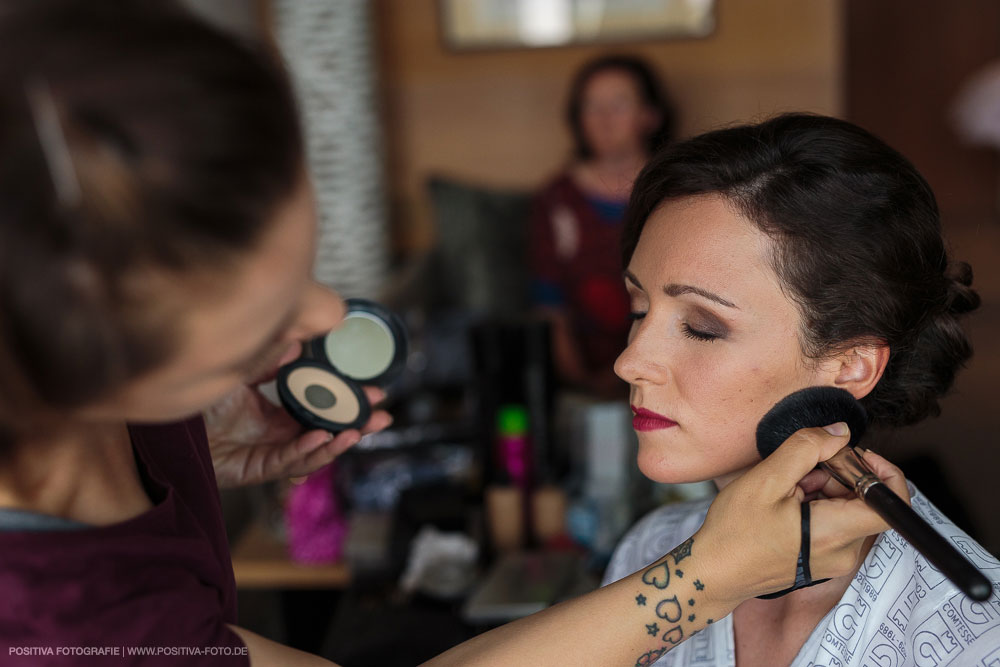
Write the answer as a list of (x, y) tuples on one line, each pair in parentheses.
[(160, 583), (576, 265)]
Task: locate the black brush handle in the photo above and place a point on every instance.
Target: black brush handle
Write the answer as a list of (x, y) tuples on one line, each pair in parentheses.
[(819, 406), (942, 555)]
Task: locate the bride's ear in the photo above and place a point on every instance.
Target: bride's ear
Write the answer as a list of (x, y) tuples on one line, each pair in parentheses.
[(859, 367)]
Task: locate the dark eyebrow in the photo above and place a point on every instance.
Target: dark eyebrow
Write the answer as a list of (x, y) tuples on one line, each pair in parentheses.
[(629, 276), (674, 289)]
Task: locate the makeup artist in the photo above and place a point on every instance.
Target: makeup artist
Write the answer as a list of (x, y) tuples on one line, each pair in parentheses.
[(156, 243), (618, 114)]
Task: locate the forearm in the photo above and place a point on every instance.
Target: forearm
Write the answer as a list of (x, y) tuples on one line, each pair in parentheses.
[(267, 653), (630, 622)]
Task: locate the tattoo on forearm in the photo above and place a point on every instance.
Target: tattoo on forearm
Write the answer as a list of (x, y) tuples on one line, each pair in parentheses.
[(669, 609), (649, 657), (658, 576), (682, 551), (674, 635)]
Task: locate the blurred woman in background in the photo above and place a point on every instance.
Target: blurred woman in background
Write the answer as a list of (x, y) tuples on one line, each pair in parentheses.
[(618, 114)]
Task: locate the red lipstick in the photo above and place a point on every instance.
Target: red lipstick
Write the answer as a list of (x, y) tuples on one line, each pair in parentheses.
[(647, 420)]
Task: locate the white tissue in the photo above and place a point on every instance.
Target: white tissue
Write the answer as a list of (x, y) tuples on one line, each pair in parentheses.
[(440, 564)]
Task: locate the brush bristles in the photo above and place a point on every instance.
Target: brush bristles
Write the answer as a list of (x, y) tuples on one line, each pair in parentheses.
[(808, 408)]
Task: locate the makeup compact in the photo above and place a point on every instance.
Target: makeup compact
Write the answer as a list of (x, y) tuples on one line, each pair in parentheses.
[(323, 388)]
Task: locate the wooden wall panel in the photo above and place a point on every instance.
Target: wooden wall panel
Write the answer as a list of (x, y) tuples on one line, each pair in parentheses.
[(495, 117), (905, 62)]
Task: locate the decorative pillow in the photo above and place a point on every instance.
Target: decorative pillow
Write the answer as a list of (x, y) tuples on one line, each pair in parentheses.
[(480, 259)]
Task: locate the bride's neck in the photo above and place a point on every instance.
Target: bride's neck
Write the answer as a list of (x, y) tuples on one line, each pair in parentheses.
[(86, 474), (774, 631)]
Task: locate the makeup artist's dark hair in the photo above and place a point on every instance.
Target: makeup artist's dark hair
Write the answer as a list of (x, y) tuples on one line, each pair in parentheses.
[(651, 92), (857, 245), (182, 142)]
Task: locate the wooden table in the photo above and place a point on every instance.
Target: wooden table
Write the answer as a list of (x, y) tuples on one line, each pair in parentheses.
[(260, 560)]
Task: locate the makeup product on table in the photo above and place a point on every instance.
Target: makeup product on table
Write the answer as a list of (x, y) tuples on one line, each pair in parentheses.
[(821, 406), (505, 517), (514, 450), (315, 525), (323, 388)]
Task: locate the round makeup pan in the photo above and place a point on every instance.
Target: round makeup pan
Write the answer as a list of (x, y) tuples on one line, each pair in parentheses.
[(321, 397), (369, 346), (323, 389)]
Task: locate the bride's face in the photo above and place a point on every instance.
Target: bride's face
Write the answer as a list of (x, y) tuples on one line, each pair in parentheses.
[(715, 343)]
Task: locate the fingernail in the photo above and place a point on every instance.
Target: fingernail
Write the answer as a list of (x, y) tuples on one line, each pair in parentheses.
[(840, 428), (329, 437)]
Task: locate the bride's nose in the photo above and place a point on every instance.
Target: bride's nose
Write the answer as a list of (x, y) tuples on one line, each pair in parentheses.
[(639, 363)]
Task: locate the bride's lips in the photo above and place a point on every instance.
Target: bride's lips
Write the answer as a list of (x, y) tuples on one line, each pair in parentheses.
[(647, 420)]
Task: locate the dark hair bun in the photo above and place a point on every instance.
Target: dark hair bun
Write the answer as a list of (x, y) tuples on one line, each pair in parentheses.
[(919, 373), (961, 297)]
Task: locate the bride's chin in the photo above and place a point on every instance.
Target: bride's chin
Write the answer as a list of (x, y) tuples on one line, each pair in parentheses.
[(662, 469)]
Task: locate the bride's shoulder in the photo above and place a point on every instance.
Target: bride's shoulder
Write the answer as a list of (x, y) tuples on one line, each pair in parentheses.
[(655, 534)]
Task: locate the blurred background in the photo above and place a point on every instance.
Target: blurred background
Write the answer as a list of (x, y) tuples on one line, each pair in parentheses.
[(431, 125)]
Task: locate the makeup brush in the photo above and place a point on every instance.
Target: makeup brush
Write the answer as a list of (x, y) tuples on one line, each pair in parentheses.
[(821, 406)]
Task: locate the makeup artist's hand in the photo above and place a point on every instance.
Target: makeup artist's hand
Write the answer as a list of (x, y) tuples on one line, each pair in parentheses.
[(821, 484), (254, 441), (753, 527)]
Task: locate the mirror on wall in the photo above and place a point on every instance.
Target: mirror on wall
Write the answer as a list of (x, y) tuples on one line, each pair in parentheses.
[(485, 24)]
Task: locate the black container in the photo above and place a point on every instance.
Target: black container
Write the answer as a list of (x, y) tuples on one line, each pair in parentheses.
[(323, 388)]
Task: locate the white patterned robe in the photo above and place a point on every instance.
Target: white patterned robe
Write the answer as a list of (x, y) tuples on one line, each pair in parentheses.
[(899, 610)]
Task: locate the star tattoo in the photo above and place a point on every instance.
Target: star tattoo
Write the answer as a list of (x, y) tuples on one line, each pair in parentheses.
[(691, 602), (652, 628), (679, 573), (691, 617), (640, 600), (697, 584)]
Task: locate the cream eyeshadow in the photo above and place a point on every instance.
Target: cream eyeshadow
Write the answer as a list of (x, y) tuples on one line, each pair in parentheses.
[(362, 347), (324, 394)]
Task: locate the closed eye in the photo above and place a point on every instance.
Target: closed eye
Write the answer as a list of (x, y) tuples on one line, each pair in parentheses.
[(699, 335)]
